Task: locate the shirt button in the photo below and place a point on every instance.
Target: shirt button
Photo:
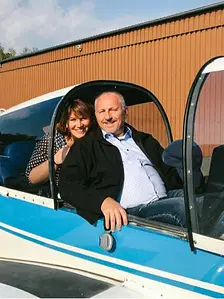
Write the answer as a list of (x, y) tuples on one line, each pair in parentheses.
[(127, 149)]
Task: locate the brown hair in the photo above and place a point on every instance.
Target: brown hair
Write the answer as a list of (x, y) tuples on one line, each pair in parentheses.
[(81, 109)]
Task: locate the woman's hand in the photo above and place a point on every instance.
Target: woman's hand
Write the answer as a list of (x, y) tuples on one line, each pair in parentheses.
[(59, 157), (69, 141)]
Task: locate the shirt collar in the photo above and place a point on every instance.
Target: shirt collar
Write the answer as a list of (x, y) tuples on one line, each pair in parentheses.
[(127, 134)]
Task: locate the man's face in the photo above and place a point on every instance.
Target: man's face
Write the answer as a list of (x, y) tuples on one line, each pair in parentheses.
[(110, 114)]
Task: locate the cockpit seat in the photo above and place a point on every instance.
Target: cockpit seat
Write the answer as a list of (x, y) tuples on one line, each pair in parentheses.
[(213, 205), (173, 156), (15, 158), (215, 181)]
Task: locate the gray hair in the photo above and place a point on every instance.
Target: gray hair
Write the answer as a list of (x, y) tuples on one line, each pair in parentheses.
[(120, 96)]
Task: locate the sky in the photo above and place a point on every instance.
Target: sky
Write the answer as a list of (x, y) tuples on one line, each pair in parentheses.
[(47, 23)]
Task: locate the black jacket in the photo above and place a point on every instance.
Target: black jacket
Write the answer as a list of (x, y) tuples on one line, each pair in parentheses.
[(93, 170)]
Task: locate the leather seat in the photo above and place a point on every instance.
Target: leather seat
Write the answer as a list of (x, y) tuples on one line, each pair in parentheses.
[(215, 182), (213, 205), (15, 158)]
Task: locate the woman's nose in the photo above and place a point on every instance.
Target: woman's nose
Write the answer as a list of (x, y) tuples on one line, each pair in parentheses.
[(78, 122)]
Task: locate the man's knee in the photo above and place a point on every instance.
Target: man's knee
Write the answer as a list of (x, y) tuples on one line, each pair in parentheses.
[(175, 193)]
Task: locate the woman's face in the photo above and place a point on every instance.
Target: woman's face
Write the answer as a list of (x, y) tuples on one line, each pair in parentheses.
[(77, 125)]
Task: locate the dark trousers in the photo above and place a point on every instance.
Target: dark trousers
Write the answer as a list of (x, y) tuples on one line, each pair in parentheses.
[(169, 209)]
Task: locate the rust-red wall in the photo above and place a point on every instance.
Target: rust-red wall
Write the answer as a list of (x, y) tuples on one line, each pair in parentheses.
[(209, 120)]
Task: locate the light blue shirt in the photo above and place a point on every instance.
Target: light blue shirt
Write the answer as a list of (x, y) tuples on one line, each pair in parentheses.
[(142, 183)]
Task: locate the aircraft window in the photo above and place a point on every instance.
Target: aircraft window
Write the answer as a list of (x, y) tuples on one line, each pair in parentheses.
[(147, 118), (19, 132), (27, 123), (208, 133), (1, 147)]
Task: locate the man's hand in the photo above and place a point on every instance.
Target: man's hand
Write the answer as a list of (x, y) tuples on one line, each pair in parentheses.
[(114, 214)]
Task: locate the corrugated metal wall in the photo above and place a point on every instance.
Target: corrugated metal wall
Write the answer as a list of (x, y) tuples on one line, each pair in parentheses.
[(162, 57)]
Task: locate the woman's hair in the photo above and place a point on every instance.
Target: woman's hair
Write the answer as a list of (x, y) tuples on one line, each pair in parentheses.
[(81, 109)]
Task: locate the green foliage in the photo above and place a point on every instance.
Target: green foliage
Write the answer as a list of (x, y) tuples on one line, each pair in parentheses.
[(10, 53), (27, 50), (6, 54)]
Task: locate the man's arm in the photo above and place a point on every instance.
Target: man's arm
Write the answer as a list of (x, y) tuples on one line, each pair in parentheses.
[(73, 181), (73, 188)]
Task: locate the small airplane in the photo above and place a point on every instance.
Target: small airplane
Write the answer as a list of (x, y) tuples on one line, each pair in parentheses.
[(48, 250)]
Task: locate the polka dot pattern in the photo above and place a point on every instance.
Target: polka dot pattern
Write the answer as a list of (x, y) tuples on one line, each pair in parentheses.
[(40, 153)]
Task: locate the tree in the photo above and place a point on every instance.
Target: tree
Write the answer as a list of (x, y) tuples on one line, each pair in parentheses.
[(6, 54), (27, 50), (12, 53)]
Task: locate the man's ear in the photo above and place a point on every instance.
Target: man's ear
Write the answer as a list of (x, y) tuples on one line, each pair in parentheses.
[(126, 112)]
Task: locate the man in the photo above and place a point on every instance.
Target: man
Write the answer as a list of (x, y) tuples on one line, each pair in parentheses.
[(116, 169)]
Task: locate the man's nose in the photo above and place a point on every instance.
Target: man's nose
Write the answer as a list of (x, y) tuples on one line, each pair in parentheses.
[(108, 115)]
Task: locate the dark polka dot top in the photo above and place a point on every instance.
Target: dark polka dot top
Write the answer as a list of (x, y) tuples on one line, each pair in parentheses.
[(40, 153)]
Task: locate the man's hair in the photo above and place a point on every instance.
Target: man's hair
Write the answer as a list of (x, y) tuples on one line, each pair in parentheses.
[(120, 96)]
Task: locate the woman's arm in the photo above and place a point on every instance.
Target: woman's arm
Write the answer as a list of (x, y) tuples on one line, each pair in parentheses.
[(37, 169), (40, 173)]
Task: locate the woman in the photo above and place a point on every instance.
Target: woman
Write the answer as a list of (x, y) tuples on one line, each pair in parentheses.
[(74, 123)]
